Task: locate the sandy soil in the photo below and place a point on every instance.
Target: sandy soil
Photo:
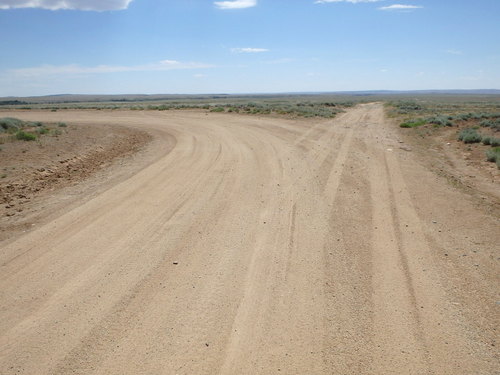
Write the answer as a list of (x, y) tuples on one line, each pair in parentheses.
[(247, 245), (39, 178), (464, 165)]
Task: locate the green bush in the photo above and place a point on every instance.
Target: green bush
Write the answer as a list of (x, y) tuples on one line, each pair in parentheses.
[(217, 109), (23, 136), (62, 124), (413, 124), (469, 136)]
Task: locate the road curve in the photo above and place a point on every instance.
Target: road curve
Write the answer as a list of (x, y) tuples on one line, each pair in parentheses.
[(251, 245)]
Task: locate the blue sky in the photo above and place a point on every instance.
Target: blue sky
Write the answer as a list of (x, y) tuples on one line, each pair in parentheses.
[(246, 46)]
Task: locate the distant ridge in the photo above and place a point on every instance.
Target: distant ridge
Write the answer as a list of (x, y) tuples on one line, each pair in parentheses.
[(76, 98)]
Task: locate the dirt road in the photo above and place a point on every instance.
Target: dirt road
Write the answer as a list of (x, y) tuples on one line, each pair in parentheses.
[(257, 246)]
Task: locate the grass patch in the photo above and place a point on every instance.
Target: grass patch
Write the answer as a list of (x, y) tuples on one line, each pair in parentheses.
[(413, 124), (24, 136), (217, 109)]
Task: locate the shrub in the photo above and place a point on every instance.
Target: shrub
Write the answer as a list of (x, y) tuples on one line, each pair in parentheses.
[(486, 140), (440, 120), (495, 142), (493, 124), (9, 124), (62, 124), (42, 130), (493, 155), (469, 136), (23, 136)]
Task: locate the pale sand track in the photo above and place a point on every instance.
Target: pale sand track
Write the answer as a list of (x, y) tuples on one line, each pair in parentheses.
[(302, 248)]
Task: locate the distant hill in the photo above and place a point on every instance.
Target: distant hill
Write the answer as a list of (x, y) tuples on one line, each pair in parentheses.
[(76, 98)]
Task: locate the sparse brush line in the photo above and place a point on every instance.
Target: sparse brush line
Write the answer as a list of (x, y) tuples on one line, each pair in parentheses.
[(12, 129)]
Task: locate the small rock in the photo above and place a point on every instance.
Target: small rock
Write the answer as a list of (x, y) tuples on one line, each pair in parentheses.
[(176, 263)]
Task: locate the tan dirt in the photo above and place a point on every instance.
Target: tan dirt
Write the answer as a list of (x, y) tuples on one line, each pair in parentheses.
[(252, 245), (464, 165), (38, 178)]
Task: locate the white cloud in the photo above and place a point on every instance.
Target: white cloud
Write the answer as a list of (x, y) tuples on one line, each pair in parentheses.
[(95, 5), (346, 1), (401, 7), (75, 69), (236, 4), (249, 50)]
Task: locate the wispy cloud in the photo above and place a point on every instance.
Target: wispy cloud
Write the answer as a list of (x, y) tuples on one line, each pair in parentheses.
[(454, 51), (236, 4), (401, 7), (346, 1), (75, 69), (249, 50), (92, 5)]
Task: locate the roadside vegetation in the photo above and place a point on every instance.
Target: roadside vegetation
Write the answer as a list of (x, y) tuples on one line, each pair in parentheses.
[(285, 108), (475, 122), (306, 106), (13, 129)]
